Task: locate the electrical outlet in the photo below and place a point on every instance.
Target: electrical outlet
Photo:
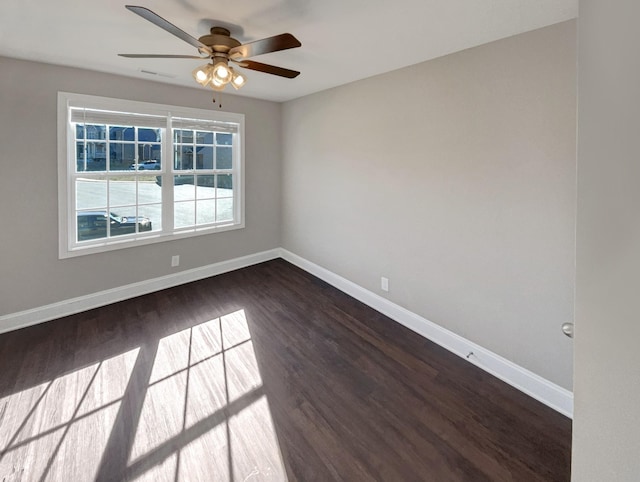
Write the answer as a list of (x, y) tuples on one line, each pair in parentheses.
[(175, 261), (384, 283)]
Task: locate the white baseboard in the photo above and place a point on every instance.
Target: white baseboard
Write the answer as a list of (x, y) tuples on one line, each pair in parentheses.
[(524, 380), (22, 319)]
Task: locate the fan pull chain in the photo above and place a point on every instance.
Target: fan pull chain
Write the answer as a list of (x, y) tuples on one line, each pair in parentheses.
[(219, 100)]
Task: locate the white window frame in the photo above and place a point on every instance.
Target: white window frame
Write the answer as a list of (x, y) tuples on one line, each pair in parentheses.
[(68, 244)]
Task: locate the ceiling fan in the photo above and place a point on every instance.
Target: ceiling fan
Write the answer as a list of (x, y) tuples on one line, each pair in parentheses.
[(220, 48)]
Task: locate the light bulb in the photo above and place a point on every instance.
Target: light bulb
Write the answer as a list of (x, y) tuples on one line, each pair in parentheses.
[(215, 85), (238, 80), (221, 73), (202, 74)]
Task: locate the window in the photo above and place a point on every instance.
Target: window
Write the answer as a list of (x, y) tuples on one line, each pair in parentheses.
[(132, 173)]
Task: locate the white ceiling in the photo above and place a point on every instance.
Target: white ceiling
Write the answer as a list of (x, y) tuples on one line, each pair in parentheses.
[(342, 40)]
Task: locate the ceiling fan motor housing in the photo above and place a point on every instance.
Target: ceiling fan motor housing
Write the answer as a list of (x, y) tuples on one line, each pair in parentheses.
[(219, 40)]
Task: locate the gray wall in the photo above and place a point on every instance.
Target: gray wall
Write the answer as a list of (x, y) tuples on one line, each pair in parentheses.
[(606, 439), (31, 275), (455, 179)]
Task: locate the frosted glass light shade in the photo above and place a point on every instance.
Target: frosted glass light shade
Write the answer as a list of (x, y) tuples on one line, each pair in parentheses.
[(221, 73), (202, 74), (238, 80), (217, 86)]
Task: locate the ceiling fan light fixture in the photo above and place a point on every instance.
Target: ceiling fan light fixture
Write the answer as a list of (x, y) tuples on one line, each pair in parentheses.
[(202, 74), (217, 86), (221, 73), (238, 80)]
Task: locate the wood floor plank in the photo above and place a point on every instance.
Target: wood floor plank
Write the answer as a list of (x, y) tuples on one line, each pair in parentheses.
[(265, 373)]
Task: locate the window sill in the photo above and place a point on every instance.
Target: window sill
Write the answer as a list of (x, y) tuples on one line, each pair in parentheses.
[(145, 240)]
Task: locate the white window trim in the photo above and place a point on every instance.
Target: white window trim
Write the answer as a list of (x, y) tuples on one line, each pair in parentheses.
[(67, 247)]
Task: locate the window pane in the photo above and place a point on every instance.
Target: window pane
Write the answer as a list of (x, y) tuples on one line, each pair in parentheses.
[(118, 133), (225, 210), (91, 193), (81, 162), (206, 211), (153, 213), (96, 132), (121, 156), (183, 188), (79, 131), (204, 157), (183, 158), (122, 221), (224, 139), (223, 157), (96, 156), (225, 185), (148, 135), (122, 192), (150, 152), (204, 137), (149, 190), (91, 224), (182, 136), (184, 214), (206, 187)]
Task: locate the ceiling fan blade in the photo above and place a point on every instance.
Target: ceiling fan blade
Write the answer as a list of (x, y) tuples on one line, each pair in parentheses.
[(160, 56), (268, 69), (266, 45), (156, 19)]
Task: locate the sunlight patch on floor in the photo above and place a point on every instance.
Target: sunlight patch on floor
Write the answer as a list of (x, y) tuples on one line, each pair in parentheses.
[(205, 415), (45, 430)]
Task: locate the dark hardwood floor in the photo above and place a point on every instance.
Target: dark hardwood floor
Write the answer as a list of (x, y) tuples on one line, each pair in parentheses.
[(265, 373)]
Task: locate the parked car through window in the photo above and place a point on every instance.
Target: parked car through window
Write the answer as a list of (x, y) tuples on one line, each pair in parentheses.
[(93, 225), (145, 166)]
